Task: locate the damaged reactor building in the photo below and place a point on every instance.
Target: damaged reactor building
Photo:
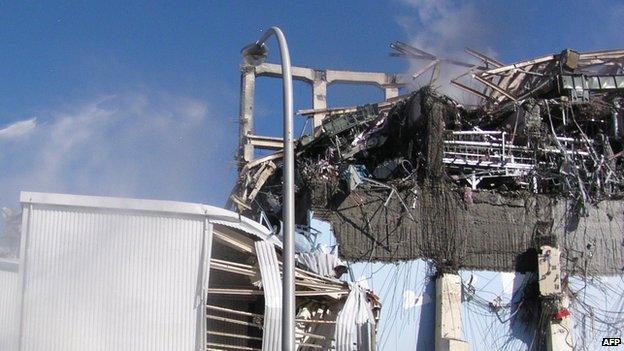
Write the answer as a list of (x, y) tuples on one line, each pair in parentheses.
[(528, 179)]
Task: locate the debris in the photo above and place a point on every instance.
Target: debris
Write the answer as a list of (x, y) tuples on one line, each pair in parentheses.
[(561, 314), (535, 162), (547, 128)]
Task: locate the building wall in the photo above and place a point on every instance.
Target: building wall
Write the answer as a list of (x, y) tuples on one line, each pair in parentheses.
[(106, 279), (9, 305), (407, 295), (493, 232)]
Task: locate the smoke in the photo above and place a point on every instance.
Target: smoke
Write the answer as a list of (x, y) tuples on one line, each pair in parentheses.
[(139, 144), (444, 28)]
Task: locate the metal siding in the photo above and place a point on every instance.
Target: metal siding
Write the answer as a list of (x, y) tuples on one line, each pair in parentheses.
[(355, 312), (216, 214), (9, 308), (272, 285), (245, 226), (320, 262), (201, 296), (111, 280)]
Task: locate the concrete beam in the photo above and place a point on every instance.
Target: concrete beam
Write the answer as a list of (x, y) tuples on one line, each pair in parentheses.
[(246, 112), (373, 78), (275, 71), (380, 79), (265, 142), (319, 97), (448, 314), (319, 79)]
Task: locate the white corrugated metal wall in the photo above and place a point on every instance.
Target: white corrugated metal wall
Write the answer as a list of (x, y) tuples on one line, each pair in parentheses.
[(104, 280), (272, 285), (9, 305)]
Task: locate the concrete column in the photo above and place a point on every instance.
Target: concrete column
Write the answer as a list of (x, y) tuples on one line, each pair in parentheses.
[(559, 334), (448, 314), (560, 330), (319, 97), (390, 92), (246, 109)]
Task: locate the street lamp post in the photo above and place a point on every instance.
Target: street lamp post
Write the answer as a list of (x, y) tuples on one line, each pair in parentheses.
[(257, 51)]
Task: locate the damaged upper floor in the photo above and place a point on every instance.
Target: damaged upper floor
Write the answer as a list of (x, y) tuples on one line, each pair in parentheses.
[(550, 127)]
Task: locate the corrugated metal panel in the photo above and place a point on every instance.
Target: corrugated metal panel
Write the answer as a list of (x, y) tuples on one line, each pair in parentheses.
[(320, 262), (215, 214), (106, 279), (9, 305), (272, 285), (355, 313), (244, 226), (201, 295)]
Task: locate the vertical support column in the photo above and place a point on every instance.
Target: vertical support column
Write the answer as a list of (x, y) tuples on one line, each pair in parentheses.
[(246, 117), (390, 92), (559, 333), (448, 314), (319, 97)]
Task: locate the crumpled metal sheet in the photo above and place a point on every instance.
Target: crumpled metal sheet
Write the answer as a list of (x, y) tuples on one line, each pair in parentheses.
[(321, 262), (355, 313), (249, 229), (272, 286)]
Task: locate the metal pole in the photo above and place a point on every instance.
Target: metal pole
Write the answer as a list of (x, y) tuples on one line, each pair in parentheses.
[(288, 207)]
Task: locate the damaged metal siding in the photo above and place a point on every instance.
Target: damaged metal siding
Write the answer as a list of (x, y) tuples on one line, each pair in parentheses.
[(354, 314), (323, 263), (272, 286), (126, 274)]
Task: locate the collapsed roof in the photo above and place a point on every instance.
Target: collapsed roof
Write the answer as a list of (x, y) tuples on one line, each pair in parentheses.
[(538, 161)]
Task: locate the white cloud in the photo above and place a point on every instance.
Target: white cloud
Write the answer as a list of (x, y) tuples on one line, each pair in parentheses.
[(18, 129), (156, 145)]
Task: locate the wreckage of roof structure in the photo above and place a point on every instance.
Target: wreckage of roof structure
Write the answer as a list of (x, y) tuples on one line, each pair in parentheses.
[(419, 175), (530, 179)]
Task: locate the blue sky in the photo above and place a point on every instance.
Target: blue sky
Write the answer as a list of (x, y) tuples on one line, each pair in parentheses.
[(141, 99)]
